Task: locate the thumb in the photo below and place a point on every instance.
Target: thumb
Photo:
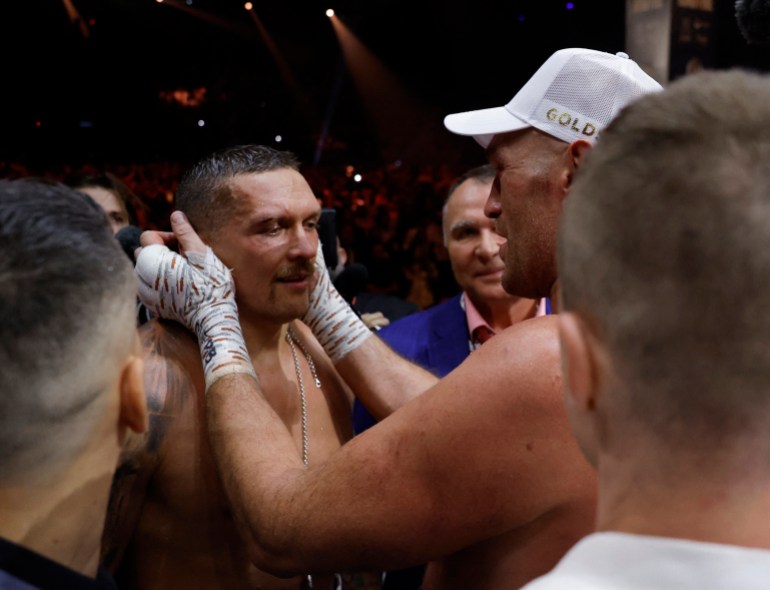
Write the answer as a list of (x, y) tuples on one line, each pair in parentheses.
[(189, 241)]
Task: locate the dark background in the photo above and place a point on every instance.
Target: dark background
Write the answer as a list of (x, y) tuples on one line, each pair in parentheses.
[(68, 98)]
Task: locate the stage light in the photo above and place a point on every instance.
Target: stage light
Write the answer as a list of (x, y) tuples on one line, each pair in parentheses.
[(330, 12), (278, 139), (201, 122), (358, 178), (159, 1), (248, 6), (570, 6)]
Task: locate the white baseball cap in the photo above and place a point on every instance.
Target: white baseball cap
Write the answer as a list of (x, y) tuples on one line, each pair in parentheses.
[(573, 95)]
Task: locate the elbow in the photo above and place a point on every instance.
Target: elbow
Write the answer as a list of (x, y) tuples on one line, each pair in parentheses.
[(276, 559)]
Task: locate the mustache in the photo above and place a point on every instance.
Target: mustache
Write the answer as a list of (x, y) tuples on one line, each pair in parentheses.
[(306, 267)]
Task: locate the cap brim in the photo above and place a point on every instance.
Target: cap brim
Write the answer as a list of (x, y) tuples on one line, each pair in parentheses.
[(484, 124)]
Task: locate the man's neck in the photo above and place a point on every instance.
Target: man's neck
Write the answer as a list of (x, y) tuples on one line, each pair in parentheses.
[(60, 519), (664, 500), (263, 338)]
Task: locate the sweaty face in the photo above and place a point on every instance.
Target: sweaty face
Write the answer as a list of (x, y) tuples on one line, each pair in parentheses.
[(111, 205), (473, 244), (270, 243), (525, 202)]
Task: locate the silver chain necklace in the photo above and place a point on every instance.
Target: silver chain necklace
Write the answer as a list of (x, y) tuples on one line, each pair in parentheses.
[(292, 340)]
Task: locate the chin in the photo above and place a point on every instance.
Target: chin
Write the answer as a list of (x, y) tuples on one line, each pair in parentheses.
[(296, 311)]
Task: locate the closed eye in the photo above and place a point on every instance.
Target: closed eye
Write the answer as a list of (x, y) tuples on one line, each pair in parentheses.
[(463, 232)]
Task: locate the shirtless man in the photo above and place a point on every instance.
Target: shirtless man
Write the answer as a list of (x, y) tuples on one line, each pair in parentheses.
[(260, 216), (493, 492)]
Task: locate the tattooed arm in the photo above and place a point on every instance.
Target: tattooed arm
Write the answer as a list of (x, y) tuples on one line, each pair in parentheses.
[(166, 382)]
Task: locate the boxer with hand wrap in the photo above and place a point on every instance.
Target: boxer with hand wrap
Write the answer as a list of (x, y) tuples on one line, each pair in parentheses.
[(236, 332)]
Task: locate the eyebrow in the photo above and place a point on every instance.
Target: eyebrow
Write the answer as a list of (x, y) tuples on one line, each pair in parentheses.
[(270, 218), (462, 224)]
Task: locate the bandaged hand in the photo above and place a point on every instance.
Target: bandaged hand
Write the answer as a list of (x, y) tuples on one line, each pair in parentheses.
[(197, 290), (333, 322)]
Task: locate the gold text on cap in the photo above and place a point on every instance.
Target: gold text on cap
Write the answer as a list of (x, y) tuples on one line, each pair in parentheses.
[(565, 119)]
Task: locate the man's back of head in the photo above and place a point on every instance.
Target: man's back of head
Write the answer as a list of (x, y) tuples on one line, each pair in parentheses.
[(67, 294), (665, 248), (664, 257), (71, 385)]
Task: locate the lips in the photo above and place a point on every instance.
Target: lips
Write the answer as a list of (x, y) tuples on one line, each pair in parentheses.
[(493, 273), (293, 278)]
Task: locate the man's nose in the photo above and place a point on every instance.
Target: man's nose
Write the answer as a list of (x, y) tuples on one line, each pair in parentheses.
[(489, 244), (305, 243)]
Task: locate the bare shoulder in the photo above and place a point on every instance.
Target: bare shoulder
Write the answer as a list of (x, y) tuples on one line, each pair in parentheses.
[(515, 376), (170, 341), (522, 360), (522, 345), (172, 372), (492, 430)]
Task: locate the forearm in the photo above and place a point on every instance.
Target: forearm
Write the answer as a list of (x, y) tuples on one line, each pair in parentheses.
[(253, 448), (296, 520), (381, 378), (264, 478)]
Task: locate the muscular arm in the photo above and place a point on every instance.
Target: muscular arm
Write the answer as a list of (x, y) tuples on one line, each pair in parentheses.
[(164, 385), (487, 449), (381, 378)]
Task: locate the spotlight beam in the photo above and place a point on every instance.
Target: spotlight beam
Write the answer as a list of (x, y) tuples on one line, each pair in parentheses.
[(75, 18)]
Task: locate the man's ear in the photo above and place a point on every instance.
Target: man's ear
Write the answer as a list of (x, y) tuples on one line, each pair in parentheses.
[(576, 152), (133, 401), (579, 369)]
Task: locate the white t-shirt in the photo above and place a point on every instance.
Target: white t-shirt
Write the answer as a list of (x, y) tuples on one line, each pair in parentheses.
[(604, 561)]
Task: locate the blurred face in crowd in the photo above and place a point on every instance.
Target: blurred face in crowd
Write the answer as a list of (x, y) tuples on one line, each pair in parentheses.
[(270, 243), (111, 204), (473, 244)]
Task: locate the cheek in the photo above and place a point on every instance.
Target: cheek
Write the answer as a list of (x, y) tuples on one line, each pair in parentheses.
[(460, 257)]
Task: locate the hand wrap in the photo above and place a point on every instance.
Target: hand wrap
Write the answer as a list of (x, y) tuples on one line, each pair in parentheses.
[(197, 291), (333, 322)]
